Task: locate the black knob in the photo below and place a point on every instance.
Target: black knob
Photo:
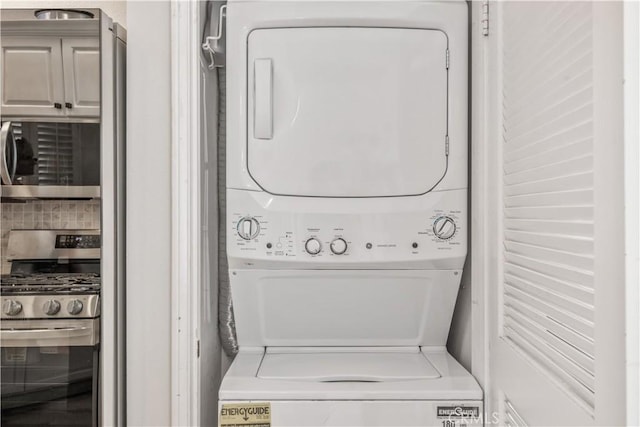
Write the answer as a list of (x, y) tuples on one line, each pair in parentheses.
[(58, 105), (68, 105)]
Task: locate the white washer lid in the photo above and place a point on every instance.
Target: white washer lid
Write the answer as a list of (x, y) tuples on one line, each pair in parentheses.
[(346, 364)]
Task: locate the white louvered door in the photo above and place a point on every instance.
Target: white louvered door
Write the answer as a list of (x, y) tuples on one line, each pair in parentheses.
[(556, 285)]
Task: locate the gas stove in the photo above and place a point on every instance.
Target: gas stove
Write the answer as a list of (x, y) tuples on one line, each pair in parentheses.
[(50, 296), (60, 283), (54, 283), (50, 324), (55, 274)]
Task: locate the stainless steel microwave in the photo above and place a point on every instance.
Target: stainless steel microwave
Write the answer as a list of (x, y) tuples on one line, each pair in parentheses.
[(41, 159)]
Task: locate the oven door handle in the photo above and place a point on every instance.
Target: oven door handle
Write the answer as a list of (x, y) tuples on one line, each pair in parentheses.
[(61, 337)]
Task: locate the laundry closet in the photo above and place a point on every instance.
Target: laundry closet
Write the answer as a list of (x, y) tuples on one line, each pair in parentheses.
[(408, 213)]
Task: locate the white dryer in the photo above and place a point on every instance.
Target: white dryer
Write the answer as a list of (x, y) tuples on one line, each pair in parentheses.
[(346, 212)]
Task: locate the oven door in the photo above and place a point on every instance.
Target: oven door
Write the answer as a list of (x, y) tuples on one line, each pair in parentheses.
[(49, 372)]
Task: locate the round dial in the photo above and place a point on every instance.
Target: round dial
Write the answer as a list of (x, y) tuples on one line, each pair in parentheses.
[(11, 307), (74, 307), (248, 228), (444, 227), (313, 246), (51, 307), (338, 246)]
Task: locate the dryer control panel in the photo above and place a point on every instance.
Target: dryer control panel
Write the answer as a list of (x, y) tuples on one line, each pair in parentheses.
[(413, 232)]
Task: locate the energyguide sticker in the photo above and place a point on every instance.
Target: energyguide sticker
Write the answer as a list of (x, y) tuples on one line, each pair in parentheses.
[(459, 416), (255, 414)]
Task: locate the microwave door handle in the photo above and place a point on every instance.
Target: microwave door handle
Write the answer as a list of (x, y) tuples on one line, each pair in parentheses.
[(263, 99), (5, 172), (11, 137), (77, 336)]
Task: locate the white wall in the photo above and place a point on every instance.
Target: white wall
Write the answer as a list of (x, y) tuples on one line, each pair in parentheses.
[(632, 204), (149, 214), (116, 9)]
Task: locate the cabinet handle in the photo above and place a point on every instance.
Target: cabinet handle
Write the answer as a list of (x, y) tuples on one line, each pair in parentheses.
[(68, 105), (57, 105)]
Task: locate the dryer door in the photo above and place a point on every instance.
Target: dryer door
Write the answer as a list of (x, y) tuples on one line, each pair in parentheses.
[(347, 112)]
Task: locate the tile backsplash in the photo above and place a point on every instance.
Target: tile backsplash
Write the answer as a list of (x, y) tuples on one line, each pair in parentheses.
[(46, 214)]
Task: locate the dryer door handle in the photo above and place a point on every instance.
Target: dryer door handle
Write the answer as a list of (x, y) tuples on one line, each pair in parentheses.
[(263, 98)]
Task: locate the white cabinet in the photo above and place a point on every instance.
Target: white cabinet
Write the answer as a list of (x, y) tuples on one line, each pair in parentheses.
[(31, 76), (81, 63), (52, 77)]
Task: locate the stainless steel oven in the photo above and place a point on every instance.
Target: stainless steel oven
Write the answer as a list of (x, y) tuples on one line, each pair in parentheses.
[(50, 329)]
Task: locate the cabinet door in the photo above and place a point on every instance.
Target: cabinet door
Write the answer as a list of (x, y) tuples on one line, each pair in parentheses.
[(81, 61), (31, 76)]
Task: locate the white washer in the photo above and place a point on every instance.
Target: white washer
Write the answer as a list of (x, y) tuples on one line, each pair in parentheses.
[(347, 211)]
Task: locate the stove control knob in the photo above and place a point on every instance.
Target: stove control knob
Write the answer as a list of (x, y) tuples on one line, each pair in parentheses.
[(313, 246), (248, 228), (74, 307), (11, 307), (338, 246), (51, 307), (444, 227)]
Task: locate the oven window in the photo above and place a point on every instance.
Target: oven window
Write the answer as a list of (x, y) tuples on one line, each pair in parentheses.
[(49, 386)]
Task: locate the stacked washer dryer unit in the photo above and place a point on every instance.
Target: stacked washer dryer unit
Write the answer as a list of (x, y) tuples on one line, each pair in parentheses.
[(347, 209)]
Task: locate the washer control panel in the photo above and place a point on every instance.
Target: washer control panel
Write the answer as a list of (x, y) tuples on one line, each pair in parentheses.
[(401, 230)]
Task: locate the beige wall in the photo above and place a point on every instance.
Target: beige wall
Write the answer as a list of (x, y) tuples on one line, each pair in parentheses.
[(116, 9)]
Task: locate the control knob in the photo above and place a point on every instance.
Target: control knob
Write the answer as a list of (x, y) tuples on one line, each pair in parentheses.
[(51, 307), (444, 227), (313, 246), (338, 246), (248, 228), (11, 307), (75, 306)]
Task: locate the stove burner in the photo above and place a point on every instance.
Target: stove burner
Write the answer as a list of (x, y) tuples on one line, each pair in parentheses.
[(80, 283)]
